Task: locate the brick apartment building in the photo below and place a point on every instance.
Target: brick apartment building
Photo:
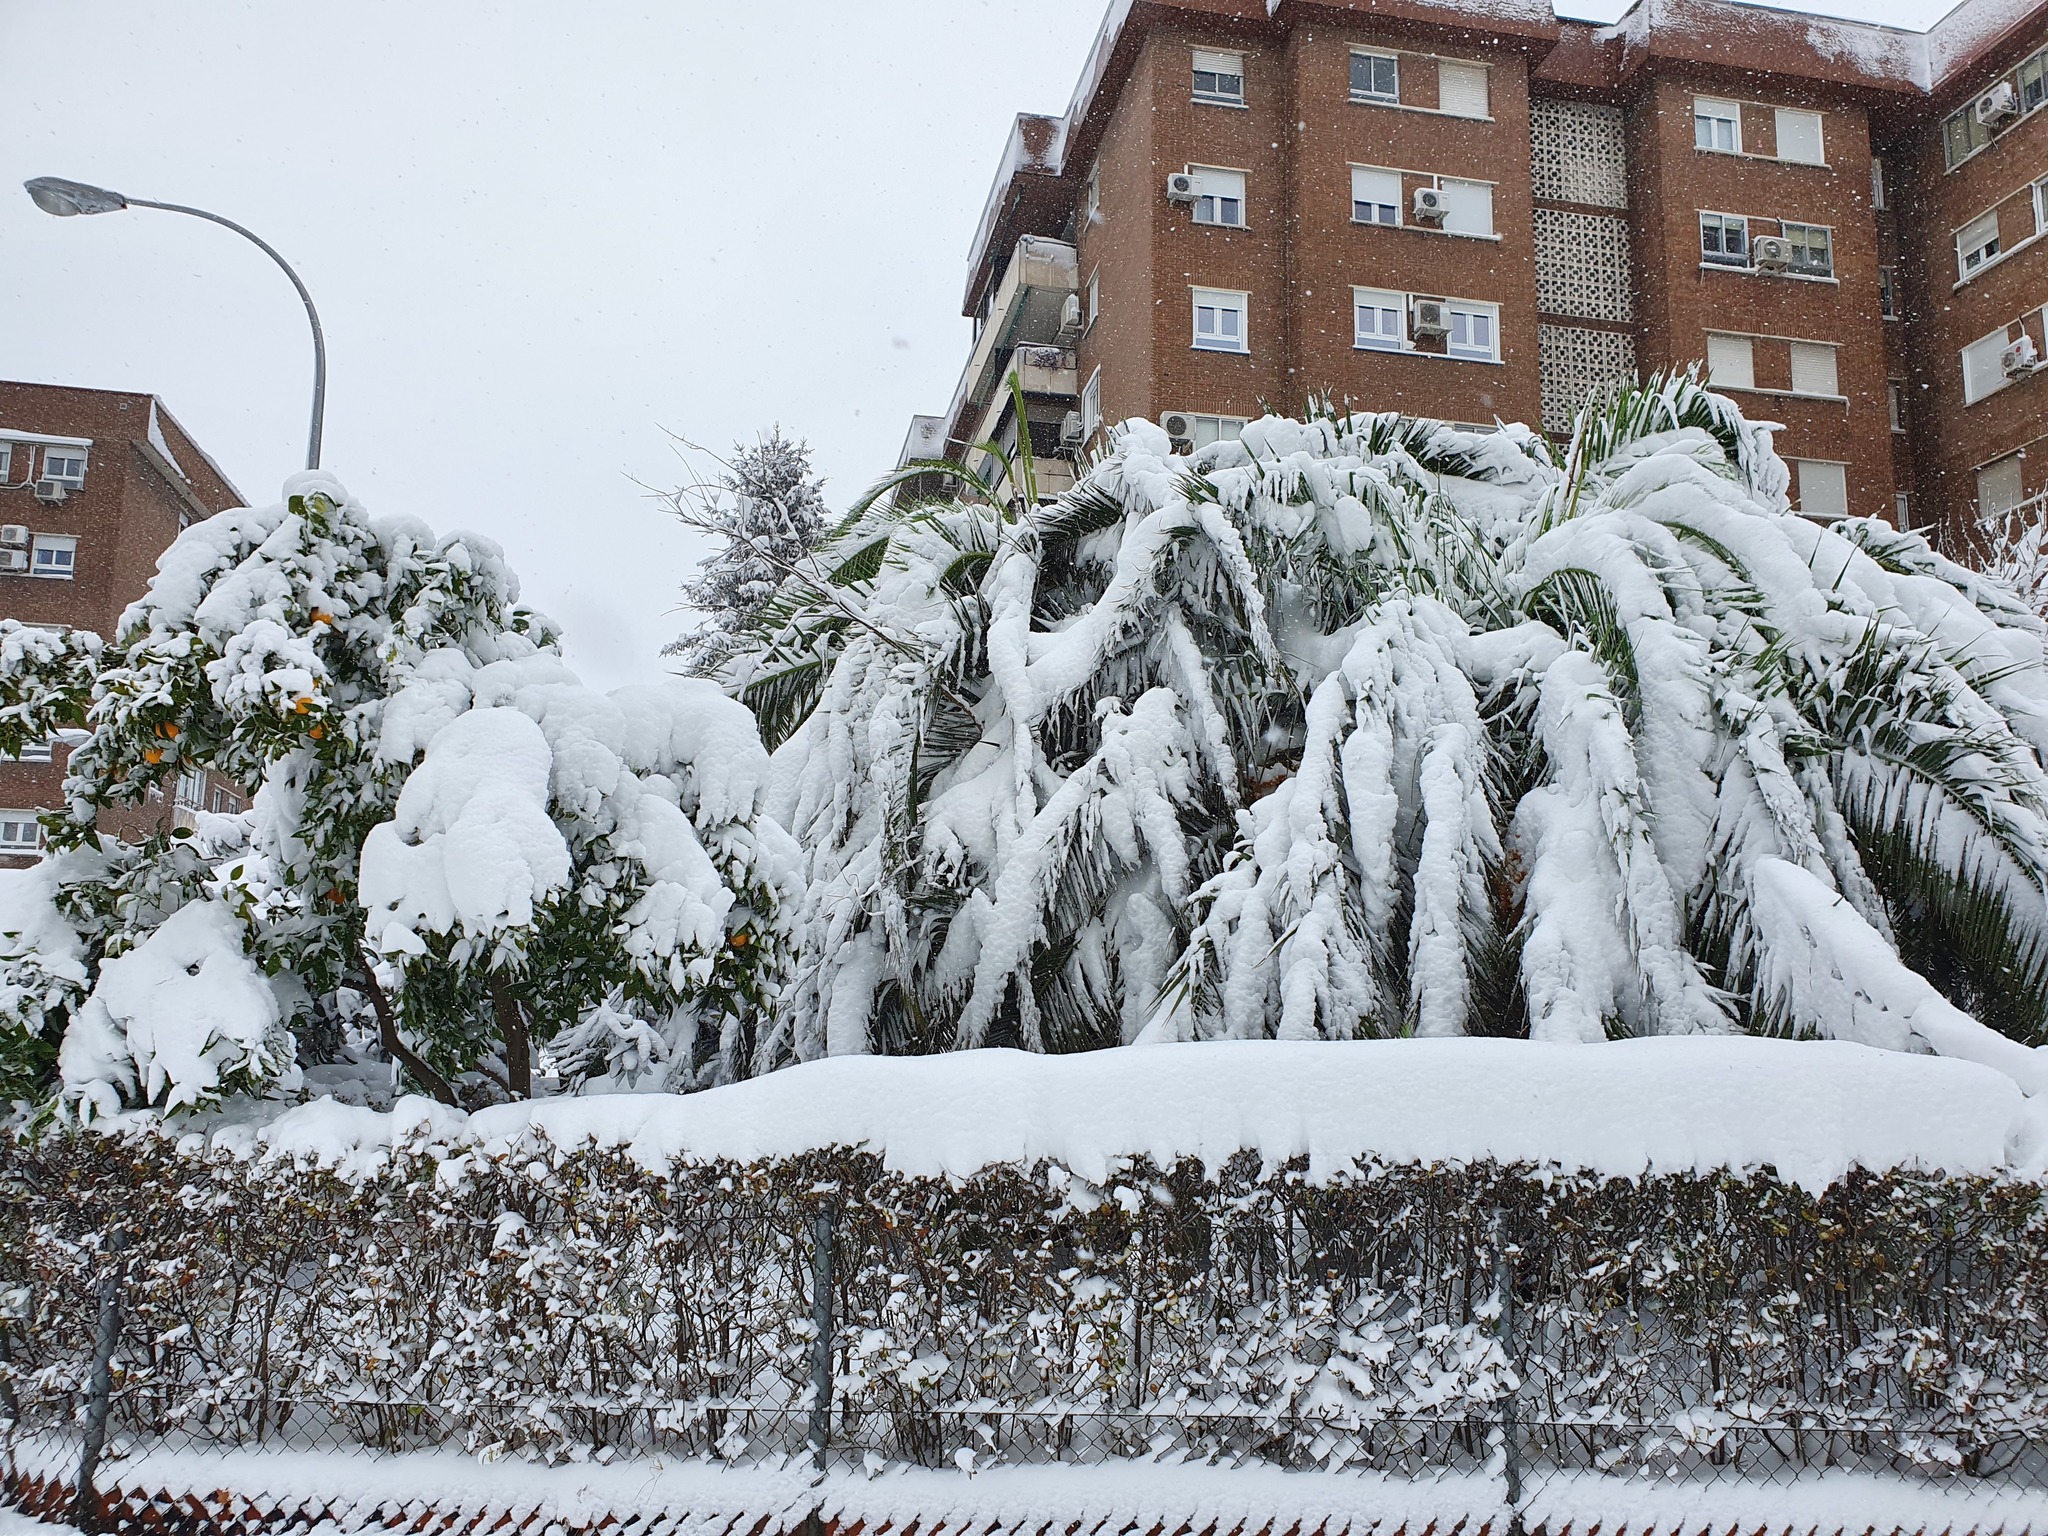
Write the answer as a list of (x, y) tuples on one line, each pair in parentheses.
[(94, 484), (1477, 210)]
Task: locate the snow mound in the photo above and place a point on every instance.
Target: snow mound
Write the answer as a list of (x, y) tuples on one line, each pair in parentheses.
[(1811, 1110)]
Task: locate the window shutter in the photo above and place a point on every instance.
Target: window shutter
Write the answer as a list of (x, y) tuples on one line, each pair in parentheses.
[(1799, 137), (1813, 369), (1823, 489), (1219, 63), (1471, 207), (1998, 486), (1981, 373), (1731, 362), (1461, 89)]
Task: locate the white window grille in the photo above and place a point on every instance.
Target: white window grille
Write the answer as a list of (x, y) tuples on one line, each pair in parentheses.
[(1220, 196), (1375, 195), (1717, 125), (1468, 206), (20, 831), (1731, 362), (1377, 319), (66, 466), (1799, 138), (1574, 361), (1999, 487), (1813, 248), (1983, 374), (1219, 78), (1976, 243), (1813, 369), (1475, 331), (1583, 266), (1823, 489), (1375, 77), (1220, 320), (1577, 153), (54, 555), (1461, 89), (1724, 239)]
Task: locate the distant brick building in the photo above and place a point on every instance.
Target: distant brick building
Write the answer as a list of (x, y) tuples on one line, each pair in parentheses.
[(94, 485), (1478, 210)]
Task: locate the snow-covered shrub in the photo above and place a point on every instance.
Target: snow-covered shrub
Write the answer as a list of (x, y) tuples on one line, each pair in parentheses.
[(1368, 725)]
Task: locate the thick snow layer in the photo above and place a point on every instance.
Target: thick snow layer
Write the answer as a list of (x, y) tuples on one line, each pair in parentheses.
[(1811, 1110)]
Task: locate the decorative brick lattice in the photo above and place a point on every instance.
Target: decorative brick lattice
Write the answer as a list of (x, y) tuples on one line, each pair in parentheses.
[(1582, 266), (1576, 154), (1574, 361)]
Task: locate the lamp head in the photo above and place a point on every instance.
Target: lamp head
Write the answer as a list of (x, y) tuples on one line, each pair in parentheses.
[(55, 195)]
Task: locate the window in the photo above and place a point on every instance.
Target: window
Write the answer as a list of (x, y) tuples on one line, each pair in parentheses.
[(6, 460), (1221, 199), (1813, 249), (1215, 429), (1716, 125), (1888, 292), (2033, 81), (1813, 369), (1799, 137), (1976, 243), (1877, 182), (20, 830), (226, 804), (1378, 322), (1219, 320), (1902, 511), (1461, 89), (1998, 486), (1895, 403), (33, 752), (192, 787), (2040, 227), (1375, 195), (1095, 190), (1823, 488), (1962, 136), (1094, 295), (1731, 362), (1982, 374), (1475, 331), (1219, 78), (1375, 77), (64, 465), (53, 554), (1469, 205), (1091, 404), (1724, 239)]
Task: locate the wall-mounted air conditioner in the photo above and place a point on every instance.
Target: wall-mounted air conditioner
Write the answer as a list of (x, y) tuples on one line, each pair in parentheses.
[(1997, 104), (2021, 357), (1428, 317), (51, 490), (1072, 433), (13, 559), (13, 535), (1070, 320), (1430, 205), (1771, 253), (1179, 426), (1182, 187)]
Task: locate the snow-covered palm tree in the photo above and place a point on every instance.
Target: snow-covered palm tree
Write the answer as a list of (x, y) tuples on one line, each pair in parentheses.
[(1368, 726)]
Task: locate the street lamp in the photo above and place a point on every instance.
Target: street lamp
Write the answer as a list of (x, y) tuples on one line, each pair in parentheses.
[(55, 195)]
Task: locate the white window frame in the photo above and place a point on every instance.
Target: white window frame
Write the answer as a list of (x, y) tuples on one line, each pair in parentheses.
[(1827, 231), (1220, 300), (1380, 301), (1444, 185), (1220, 66), (10, 841), (1715, 110), (1781, 116), (1469, 310), (1989, 345), (1801, 468), (1735, 368), (2040, 219), (1817, 356), (1377, 171), (1895, 403), (6, 460), (1216, 202), (1469, 69), (1977, 244), (1902, 511), (1094, 300), (1724, 223), (1381, 98), (1094, 191), (64, 543), (1091, 405), (33, 752), (71, 477)]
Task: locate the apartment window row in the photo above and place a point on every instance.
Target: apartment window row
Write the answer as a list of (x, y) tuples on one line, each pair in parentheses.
[(1383, 320), (1396, 198), (1731, 240), (1973, 126), (1808, 367), (50, 555), (1985, 238), (1796, 133), (63, 464), (1377, 78), (2004, 356)]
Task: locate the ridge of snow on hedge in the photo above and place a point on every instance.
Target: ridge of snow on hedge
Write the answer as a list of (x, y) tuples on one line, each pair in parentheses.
[(1810, 1110)]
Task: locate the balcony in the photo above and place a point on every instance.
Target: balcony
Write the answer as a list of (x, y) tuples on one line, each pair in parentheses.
[(1025, 311)]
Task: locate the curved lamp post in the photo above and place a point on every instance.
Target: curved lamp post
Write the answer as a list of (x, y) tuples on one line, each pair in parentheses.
[(55, 195)]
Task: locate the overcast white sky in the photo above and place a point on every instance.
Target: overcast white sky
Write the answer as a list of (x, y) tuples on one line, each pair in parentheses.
[(542, 237)]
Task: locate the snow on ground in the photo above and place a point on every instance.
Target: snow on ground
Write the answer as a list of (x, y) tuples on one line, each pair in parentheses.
[(1812, 1110)]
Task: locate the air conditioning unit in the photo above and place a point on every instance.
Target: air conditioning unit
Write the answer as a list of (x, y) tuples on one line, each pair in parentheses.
[(1179, 426), (1429, 317), (13, 534), (13, 559), (1183, 187), (1771, 253), (51, 490), (1997, 104), (2021, 357), (1072, 433), (1070, 320), (1431, 205)]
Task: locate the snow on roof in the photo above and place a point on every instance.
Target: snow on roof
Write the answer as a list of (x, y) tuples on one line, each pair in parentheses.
[(1810, 1110)]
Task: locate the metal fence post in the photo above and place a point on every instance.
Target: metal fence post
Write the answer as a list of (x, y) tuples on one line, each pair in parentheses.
[(821, 1347), (99, 1401), (1510, 1419)]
